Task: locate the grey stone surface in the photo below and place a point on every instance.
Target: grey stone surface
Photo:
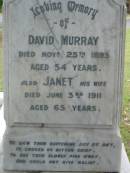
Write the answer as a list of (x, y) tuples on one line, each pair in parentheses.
[(1, 99), (63, 78), (128, 23), (1, 21), (2, 124), (0, 18), (125, 164), (93, 60), (68, 150)]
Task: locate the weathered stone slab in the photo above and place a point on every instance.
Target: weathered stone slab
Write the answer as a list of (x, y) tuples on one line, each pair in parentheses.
[(125, 164), (75, 150), (64, 69), (63, 59), (1, 99)]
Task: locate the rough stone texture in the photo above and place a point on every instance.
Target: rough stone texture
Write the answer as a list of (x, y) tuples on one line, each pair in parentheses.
[(1, 99), (125, 165), (101, 54), (77, 129), (70, 150)]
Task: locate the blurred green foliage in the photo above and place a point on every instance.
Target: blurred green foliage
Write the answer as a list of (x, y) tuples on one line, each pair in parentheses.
[(1, 2)]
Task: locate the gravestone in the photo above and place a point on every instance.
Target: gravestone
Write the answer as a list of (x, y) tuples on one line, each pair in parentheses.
[(63, 85)]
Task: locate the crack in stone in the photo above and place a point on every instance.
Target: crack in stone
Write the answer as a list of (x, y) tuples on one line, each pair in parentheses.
[(59, 48)]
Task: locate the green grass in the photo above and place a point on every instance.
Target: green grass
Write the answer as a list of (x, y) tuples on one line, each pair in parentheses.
[(125, 133), (126, 99), (125, 123)]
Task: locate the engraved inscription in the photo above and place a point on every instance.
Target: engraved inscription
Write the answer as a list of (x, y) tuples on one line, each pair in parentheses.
[(61, 66)]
